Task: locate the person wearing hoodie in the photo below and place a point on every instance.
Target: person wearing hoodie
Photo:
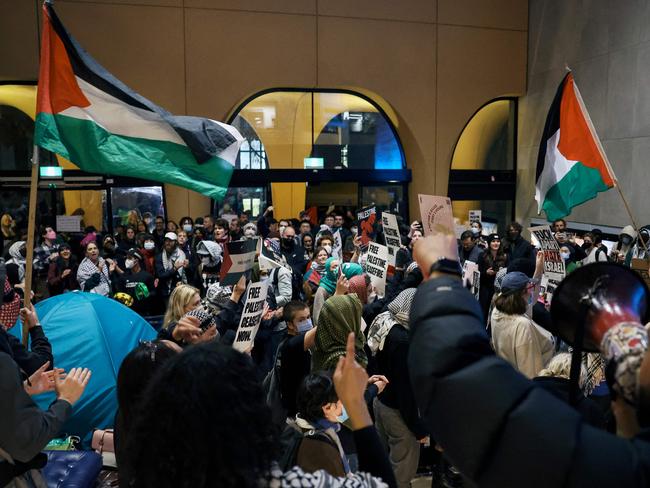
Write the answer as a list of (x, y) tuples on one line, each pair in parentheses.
[(622, 252), (16, 263), (148, 253), (210, 255), (396, 413)]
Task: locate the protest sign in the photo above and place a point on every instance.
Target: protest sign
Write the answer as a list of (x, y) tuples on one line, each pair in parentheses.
[(471, 277), (238, 260), (251, 316), (391, 234), (475, 216), (641, 267), (547, 289), (437, 217), (337, 248), (377, 266), (367, 229), (553, 263), (270, 256), (68, 223)]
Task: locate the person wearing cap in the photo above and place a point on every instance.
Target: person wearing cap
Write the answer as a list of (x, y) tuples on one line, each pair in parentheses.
[(170, 266), (138, 283), (516, 337), (62, 272)]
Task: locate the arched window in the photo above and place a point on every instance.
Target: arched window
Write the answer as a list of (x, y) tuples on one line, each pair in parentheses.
[(483, 165), (319, 146)]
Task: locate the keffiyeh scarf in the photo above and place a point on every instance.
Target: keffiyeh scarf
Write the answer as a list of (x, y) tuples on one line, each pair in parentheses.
[(398, 312), (87, 269)]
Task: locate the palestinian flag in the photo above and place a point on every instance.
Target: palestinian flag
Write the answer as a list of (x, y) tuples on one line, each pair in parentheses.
[(91, 118), (572, 166)]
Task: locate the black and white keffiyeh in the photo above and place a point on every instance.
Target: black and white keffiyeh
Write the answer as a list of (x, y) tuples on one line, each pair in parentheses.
[(87, 269), (398, 312)]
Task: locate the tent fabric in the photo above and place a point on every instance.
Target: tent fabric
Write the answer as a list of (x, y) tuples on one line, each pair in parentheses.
[(90, 331)]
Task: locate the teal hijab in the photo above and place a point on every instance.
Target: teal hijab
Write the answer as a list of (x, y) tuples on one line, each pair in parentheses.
[(328, 280)]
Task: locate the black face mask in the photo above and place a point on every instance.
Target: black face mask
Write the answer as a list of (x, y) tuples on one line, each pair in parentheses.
[(288, 242), (587, 245), (626, 240), (109, 247), (513, 235)]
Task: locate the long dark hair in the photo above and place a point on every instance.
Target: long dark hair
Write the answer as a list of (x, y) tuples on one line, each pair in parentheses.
[(203, 422)]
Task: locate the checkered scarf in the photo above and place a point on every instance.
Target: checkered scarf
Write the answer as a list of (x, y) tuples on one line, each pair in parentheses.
[(9, 309)]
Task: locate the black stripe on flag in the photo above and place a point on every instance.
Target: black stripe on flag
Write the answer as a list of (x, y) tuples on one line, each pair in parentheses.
[(550, 127), (205, 138)]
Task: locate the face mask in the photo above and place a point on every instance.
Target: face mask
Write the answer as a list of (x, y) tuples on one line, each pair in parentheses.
[(264, 279), (343, 417), (587, 245), (51, 235), (149, 245), (328, 248), (372, 296), (205, 260), (129, 263), (288, 242), (513, 235), (304, 326), (187, 227), (475, 231), (353, 230), (626, 240), (282, 227), (109, 246), (565, 255)]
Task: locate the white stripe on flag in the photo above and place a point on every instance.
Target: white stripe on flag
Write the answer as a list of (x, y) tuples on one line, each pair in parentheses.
[(556, 167)]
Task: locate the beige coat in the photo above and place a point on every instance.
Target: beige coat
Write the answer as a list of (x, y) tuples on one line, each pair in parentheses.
[(521, 342)]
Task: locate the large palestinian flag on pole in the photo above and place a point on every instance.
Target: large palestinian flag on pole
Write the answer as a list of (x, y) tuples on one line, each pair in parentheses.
[(91, 118), (572, 166)]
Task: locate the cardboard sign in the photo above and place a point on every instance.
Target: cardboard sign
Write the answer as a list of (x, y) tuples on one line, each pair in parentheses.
[(475, 216), (377, 266), (437, 216), (472, 277), (547, 289), (367, 218), (391, 234), (251, 316), (68, 223), (553, 263), (238, 260)]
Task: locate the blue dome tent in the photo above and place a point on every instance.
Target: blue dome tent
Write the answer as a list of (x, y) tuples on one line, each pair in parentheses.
[(95, 332)]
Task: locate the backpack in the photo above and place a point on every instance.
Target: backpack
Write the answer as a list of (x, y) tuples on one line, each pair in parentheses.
[(290, 441), (297, 293), (271, 388), (600, 250)]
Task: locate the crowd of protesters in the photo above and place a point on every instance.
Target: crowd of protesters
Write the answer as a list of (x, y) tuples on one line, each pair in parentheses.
[(342, 386)]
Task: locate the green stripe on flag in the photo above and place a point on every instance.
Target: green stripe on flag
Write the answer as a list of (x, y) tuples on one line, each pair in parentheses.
[(577, 186), (96, 150)]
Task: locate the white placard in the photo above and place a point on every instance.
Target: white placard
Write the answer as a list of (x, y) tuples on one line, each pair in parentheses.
[(377, 266), (68, 223), (251, 316), (437, 215), (391, 234), (475, 216), (337, 248), (472, 277), (553, 263)]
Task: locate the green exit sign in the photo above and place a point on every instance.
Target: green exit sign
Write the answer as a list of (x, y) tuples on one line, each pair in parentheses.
[(51, 171)]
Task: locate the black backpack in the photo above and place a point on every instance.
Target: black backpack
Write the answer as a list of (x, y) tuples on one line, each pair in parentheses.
[(297, 293), (271, 387)]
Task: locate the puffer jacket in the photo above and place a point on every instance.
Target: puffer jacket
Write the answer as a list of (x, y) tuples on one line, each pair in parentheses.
[(495, 425)]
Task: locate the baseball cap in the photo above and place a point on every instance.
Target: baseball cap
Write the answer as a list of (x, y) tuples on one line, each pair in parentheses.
[(514, 281), (134, 253), (171, 236)]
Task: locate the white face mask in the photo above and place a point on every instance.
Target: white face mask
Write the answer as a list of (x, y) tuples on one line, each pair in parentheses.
[(205, 260), (282, 227), (565, 255), (328, 248), (149, 245), (187, 227), (129, 263), (353, 230)]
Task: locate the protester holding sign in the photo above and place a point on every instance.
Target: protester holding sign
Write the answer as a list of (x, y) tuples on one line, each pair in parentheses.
[(251, 316), (377, 266)]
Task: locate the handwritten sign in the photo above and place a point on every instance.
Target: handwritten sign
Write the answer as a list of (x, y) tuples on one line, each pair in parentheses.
[(472, 278), (437, 216), (475, 216), (391, 234), (337, 248), (553, 263), (68, 223), (251, 316), (377, 266)]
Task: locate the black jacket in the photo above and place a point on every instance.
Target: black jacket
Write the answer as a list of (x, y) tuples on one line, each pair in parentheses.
[(28, 361), (520, 248), (398, 394), (495, 425)]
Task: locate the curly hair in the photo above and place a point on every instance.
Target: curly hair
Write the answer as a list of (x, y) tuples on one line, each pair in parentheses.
[(202, 422)]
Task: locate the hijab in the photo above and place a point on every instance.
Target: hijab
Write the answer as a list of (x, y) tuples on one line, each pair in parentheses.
[(328, 280), (359, 286), (341, 314)]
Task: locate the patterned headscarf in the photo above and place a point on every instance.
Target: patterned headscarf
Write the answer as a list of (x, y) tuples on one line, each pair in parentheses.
[(358, 285), (398, 312), (9, 309), (341, 314)]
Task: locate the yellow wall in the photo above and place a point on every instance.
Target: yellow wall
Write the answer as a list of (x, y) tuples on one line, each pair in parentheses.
[(435, 62)]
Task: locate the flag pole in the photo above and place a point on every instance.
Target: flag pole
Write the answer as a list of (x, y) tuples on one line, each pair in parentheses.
[(31, 235), (607, 163)]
